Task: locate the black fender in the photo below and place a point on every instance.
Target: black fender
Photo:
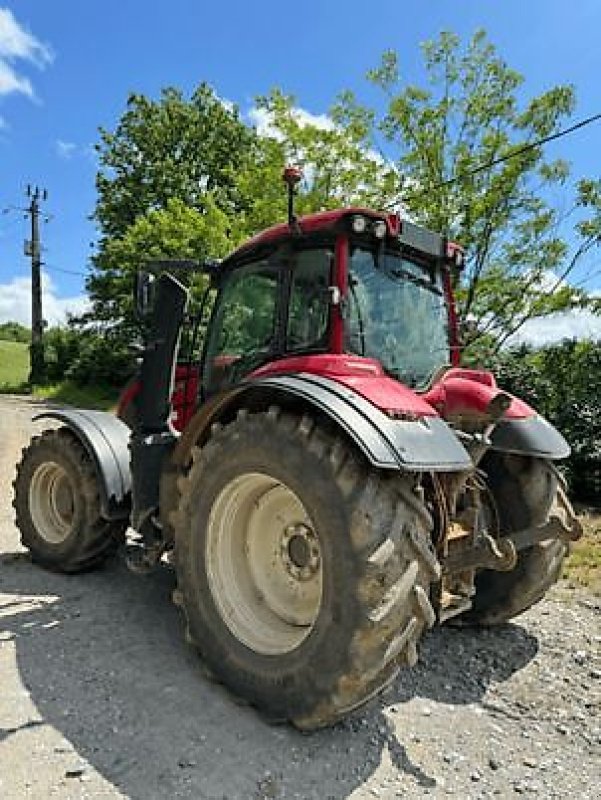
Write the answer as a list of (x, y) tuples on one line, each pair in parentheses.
[(422, 444), (105, 439), (531, 436)]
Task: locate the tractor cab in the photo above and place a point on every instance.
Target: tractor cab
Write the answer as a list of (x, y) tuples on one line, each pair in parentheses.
[(349, 282)]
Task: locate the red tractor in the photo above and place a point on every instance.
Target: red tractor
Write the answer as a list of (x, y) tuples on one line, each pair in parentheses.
[(334, 482)]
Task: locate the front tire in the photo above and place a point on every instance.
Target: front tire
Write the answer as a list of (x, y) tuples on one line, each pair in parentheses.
[(303, 572), (57, 505)]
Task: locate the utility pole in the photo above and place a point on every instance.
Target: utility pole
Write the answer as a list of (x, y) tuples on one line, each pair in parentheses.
[(33, 249)]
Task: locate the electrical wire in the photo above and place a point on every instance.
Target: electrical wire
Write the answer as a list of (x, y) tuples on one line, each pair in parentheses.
[(501, 159), (52, 268)]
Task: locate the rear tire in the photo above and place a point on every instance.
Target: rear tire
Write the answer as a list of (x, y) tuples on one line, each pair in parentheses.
[(524, 490), (304, 628), (57, 505)]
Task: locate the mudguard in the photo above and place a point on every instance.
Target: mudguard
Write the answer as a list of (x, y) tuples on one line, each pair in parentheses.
[(410, 443), (532, 436), (106, 440)]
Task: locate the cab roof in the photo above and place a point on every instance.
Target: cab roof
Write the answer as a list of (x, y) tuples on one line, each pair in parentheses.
[(313, 223)]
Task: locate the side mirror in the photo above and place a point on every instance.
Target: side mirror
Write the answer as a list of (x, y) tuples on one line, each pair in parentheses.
[(144, 293)]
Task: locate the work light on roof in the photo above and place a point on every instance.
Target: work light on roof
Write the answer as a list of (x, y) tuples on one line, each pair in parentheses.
[(379, 229), (359, 223)]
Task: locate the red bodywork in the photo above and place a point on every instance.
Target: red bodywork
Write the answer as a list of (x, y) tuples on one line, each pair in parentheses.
[(460, 392), (468, 392), (364, 376)]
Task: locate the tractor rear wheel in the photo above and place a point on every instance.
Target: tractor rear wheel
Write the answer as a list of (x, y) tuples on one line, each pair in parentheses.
[(524, 489), (57, 505), (303, 572)]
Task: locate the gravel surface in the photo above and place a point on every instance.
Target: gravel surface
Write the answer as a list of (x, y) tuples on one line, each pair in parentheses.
[(101, 698)]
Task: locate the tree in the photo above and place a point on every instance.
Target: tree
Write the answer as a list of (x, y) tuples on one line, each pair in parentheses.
[(170, 148), (440, 136), (341, 167), (176, 231), (14, 332), (563, 382), (168, 186)]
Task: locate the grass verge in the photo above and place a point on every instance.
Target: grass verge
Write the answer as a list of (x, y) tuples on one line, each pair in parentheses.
[(101, 398), (583, 566)]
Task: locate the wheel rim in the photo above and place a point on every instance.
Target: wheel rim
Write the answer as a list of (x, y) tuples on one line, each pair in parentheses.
[(51, 502), (264, 564)]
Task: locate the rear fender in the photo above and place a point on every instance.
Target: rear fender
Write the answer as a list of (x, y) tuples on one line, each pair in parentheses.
[(410, 443), (105, 438)]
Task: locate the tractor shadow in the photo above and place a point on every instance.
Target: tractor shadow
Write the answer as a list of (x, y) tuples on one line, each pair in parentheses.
[(105, 663)]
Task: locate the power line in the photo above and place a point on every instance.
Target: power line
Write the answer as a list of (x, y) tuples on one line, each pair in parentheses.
[(52, 268), (501, 159)]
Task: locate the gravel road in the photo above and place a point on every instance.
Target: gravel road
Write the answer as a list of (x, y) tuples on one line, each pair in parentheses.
[(101, 698)]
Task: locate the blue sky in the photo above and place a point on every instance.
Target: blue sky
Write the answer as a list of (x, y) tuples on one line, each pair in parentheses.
[(66, 68)]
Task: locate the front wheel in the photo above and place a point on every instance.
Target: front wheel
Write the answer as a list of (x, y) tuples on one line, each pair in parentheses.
[(57, 505), (304, 573)]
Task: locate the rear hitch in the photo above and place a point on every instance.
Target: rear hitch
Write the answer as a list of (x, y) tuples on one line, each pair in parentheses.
[(486, 553), (501, 554)]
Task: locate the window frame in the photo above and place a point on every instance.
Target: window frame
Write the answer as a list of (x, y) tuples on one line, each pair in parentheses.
[(273, 264), (282, 259)]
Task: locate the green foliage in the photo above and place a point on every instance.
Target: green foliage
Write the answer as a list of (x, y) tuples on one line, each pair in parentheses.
[(98, 396), (563, 383), (170, 148), (14, 366), (177, 231), (86, 358), (14, 332), (339, 156), (168, 187)]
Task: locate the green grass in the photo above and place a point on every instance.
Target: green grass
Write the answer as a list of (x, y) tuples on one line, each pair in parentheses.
[(102, 398), (14, 366), (583, 566), (14, 372)]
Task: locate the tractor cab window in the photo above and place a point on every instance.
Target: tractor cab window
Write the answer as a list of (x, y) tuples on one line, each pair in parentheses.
[(397, 315), (243, 325), (309, 307)]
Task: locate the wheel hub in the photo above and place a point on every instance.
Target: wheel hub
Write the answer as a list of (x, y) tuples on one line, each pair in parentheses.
[(300, 551)]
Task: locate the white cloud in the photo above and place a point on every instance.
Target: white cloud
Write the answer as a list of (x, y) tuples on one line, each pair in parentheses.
[(17, 44), (65, 149), (11, 82), (557, 327), (227, 104), (15, 302), (262, 119)]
